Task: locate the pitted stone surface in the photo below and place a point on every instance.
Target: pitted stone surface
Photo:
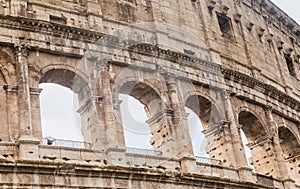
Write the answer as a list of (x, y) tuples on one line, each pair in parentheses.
[(234, 63)]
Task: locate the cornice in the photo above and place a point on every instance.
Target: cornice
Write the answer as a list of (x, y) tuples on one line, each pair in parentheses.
[(231, 75), (85, 35), (273, 13), (50, 28)]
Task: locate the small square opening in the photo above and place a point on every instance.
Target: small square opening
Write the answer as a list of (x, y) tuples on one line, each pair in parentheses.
[(225, 26), (290, 65)]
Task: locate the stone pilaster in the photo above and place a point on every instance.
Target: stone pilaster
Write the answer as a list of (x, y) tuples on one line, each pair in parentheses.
[(12, 107), (238, 152), (21, 52), (36, 112), (108, 108), (182, 145), (282, 172)]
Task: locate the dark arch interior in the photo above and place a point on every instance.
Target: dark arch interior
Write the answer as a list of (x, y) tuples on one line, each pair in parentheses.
[(289, 143), (144, 94), (65, 78), (204, 109), (251, 126)]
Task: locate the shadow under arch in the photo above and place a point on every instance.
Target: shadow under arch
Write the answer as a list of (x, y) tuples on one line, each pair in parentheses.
[(205, 109), (64, 77), (145, 94), (291, 151), (251, 125)]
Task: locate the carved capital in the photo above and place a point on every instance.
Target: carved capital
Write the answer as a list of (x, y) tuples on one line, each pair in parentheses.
[(170, 78), (101, 64), (11, 88), (226, 93), (268, 109), (21, 50), (35, 91)]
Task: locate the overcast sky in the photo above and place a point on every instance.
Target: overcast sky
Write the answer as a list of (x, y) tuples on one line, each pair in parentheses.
[(59, 118), (291, 7)]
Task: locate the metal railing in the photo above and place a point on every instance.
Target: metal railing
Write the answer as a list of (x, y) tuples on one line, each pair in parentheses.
[(208, 160), (66, 143), (143, 151)]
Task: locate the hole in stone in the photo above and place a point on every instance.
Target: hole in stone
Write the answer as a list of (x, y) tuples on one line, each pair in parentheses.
[(66, 159), (30, 152), (105, 162)]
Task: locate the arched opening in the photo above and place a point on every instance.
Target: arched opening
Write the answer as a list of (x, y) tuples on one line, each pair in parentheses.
[(58, 112), (247, 149), (203, 123), (136, 131), (198, 139), (62, 95), (291, 151), (256, 143), (139, 104)]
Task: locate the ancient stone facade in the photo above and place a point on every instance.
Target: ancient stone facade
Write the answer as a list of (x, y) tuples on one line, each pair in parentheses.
[(235, 63)]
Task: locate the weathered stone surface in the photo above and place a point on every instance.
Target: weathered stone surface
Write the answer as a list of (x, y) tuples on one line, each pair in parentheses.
[(234, 63)]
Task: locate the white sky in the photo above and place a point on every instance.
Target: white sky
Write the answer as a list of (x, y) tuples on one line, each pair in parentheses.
[(60, 120), (291, 7)]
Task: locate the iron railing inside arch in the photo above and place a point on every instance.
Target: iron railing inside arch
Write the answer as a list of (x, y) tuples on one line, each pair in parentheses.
[(208, 160), (77, 144), (66, 143), (143, 151)]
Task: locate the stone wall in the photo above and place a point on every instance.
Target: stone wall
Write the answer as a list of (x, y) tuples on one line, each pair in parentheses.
[(235, 64)]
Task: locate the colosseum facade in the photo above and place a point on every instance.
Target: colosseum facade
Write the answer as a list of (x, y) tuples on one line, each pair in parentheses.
[(234, 63)]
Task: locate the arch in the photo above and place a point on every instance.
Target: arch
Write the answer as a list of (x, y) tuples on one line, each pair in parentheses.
[(122, 81), (147, 97), (7, 66), (251, 125), (289, 142), (143, 92), (72, 79), (293, 130), (62, 76), (258, 140), (205, 108), (291, 151)]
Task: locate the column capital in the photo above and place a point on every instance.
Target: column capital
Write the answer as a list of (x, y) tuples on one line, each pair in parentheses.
[(35, 91), (21, 49), (226, 93), (11, 88), (268, 108)]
